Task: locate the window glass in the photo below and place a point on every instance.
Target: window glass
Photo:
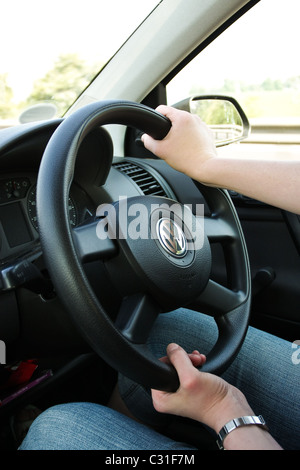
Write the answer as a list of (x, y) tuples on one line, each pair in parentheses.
[(255, 60), (51, 51)]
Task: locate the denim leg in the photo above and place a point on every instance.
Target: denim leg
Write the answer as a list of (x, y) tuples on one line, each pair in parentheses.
[(88, 426), (263, 370)]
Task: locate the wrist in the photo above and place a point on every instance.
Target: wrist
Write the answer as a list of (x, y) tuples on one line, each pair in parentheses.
[(234, 405), (237, 424), (206, 173)]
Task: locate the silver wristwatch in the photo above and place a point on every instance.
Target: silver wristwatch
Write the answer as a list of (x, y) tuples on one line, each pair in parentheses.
[(236, 423)]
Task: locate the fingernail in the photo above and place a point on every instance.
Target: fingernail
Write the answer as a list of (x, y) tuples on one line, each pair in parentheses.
[(172, 347)]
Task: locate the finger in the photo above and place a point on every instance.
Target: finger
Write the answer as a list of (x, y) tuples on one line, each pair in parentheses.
[(165, 359), (168, 111), (196, 352), (149, 142), (163, 109), (181, 361), (145, 138), (197, 359)]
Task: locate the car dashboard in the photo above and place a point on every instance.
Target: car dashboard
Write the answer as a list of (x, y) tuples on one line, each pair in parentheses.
[(18, 184)]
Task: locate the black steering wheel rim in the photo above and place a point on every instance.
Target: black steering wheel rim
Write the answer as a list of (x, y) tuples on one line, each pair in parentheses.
[(133, 359)]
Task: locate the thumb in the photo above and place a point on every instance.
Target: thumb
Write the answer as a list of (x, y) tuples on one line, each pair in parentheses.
[(181, 361), (149, 142)]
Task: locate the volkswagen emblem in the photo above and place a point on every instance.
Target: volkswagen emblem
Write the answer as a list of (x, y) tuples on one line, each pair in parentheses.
[(171, 237)]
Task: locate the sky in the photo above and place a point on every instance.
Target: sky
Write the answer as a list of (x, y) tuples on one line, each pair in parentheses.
[(262, 44), (34, 32)]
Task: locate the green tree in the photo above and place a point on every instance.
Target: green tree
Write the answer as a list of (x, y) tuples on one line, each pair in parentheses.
[(293, 83), (272, 85), (63, 83), (229, 86), (6, 96)]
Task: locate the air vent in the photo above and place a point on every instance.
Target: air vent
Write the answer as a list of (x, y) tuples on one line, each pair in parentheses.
[(146, 182)]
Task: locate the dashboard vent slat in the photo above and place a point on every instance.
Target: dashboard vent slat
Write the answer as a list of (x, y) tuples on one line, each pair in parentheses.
[(144, 180)]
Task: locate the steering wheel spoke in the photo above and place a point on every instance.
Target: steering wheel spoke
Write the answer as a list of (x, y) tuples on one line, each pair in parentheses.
[(136, 316), (88, 246), (218, 300), (218, 230)]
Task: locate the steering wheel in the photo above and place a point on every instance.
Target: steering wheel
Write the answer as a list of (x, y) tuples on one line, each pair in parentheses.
[(154, 274)]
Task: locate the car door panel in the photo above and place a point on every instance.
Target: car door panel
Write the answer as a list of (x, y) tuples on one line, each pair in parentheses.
[(275, 265)]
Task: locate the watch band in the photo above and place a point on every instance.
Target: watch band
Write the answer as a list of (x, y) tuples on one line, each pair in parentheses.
[(236, 423)]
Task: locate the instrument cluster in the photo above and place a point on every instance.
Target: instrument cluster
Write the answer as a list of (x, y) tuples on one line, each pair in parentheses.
[(18, 213)]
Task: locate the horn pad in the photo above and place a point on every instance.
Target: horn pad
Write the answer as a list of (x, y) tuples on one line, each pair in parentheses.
[(162, 248)]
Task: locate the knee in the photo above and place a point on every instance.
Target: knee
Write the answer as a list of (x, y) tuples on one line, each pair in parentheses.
[(56, 427)]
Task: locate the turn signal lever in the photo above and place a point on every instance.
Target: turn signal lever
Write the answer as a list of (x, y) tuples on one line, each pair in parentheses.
[(25, 273)]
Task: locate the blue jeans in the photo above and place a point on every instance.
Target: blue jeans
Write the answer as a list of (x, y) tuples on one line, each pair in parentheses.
[(263, 370)]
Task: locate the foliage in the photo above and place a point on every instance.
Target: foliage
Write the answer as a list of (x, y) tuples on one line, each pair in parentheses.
[(69, 76), (271, 98), (6, 96), (63, 83)]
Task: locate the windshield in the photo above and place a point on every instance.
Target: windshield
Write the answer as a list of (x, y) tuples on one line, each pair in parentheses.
[(51, 52)]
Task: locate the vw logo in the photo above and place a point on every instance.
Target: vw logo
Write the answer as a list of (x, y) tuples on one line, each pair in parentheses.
[(171, 237)]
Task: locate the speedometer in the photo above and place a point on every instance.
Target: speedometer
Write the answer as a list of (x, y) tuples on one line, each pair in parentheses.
[(31, 207)]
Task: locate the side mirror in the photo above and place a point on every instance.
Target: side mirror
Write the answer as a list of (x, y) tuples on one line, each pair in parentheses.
[(222, 114), (38, 112)]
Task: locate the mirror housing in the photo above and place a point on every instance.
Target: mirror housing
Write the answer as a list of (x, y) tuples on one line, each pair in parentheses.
[(223, 115), (38, 112)]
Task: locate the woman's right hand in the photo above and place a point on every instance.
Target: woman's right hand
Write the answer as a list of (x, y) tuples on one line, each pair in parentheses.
[(187, 146), (201, 396)]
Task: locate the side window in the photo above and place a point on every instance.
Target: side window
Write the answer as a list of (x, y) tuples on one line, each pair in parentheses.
[(255, 61)]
